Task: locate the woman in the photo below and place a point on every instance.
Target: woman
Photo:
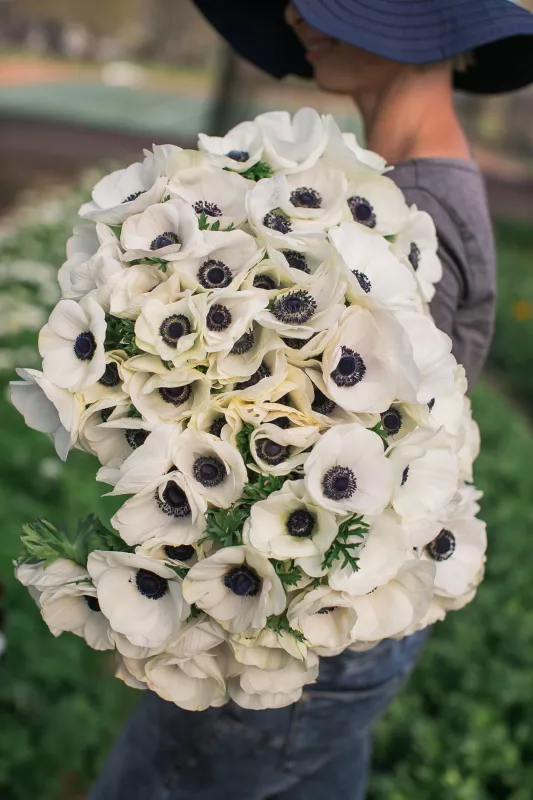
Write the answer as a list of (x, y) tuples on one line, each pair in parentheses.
[(398, 60)]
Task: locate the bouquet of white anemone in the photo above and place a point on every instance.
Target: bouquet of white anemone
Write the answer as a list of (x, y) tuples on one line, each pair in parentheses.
[(244, 343)]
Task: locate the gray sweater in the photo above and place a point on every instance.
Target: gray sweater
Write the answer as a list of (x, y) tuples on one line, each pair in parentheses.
[(453, 192)]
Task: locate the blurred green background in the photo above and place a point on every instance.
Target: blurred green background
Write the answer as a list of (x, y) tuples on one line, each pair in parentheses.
[(87, 86)]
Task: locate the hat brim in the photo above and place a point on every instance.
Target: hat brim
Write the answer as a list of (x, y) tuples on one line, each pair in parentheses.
[(497, 32)]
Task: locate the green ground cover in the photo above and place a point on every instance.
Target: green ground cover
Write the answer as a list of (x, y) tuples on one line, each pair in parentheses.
[(463, 727)]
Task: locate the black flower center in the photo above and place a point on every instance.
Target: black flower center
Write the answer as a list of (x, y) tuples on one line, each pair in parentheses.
[(264, 282), (243, 344), (431, 404), (281, 422), (175, 395), (209, 209), (136, 437), (405, 475), (294, 308), (218, 318), (173, 328), (350, 370), (295, 344), (414, 256), (181, 552), (151, 585), (110, 376), (209, 471), (260, 373), (238, 155), (322, 404), (85, 346), (133, 196), (363, 281), (173, 501), (243, 581), (327, 609), (339, 483), (362, 211), (297, 260), (164, 240), (277, 221), (301, 523), (306, 198), (442, 547), (215, 429), (214, 275), (92, 602), (105, 413), (272, 452), (391, 419)]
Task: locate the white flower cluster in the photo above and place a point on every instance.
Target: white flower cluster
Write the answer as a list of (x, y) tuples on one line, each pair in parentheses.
[(244, 343)]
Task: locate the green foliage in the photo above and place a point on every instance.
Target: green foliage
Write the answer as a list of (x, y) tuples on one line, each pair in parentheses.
[(243, 441), (345, 544), (41, 541), (380, 430), (224, 525), (120, 335), (288, 573), (280, 624), (133, 413), (258, 171), (262, 486)]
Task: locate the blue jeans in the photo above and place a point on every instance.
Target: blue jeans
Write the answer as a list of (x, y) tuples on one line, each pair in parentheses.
[(317, 749)]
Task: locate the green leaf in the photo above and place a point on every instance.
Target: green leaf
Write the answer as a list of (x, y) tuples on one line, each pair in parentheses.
[(261, 487), (225, 525), (344, 547), (287, 572), (202, 221), (133, 413), (280, 624), (258, 171), (243, 441), (380, 430), (216, 225), (120, 335)]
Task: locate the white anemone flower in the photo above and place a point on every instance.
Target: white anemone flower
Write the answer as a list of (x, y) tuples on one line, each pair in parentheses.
[(141, 597), (302, 310), (416, 244), (380, 553), (245, 356), (194, 683), (257, 688), (304, 263), (392, 609), (76, 276), (376, 278), (171, 330), (47, 408), (161, 158), (213, 468), (228, 315), (146, 465), (169, 395), (426, 475), (355, 364), (110, 445), (432, 354), (458, 552), (237, 586), (72, 344), (347, 471), (111, 382), (167, 231), (229, 257), (344, 152), (40, 576), (272, 225), (267, 648), (311, 399), (449, 409), (238, 150), (293, 144), (368, 157), (217, 193), (173, 555), (265, 381), (399, 420), (325, 617), (469, 451), (170, 510), (279, 451), (290, 525), (123, 193), (376, 202), (316, 197), (129, 290), (219, 420), (75, 608)]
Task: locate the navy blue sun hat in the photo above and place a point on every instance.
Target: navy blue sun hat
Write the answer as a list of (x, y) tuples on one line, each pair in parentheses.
[(498, 32)]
